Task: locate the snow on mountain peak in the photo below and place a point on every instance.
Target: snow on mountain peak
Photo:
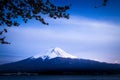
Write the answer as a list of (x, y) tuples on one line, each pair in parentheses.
[(55, 52)]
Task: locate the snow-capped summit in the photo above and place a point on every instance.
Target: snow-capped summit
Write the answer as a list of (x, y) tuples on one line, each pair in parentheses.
[(55, 52)]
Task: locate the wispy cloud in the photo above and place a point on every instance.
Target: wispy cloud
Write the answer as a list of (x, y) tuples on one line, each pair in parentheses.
[(75, 29)]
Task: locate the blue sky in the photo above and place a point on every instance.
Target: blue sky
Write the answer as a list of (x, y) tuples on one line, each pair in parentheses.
[(90, 33)]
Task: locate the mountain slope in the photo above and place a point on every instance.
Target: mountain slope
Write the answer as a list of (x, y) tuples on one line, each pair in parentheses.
[(55, 52), (61, 63)]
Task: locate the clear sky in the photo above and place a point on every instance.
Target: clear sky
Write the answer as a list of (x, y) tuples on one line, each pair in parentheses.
[(90, 33)]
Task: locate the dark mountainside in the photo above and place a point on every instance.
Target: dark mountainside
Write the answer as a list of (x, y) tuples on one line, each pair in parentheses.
[(57, 61), (60, 65)]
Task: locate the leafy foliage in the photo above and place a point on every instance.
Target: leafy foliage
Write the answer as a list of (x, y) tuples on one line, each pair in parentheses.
[(11, 10), (103, 4)]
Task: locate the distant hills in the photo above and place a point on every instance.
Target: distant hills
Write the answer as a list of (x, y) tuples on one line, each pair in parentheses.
[(57, 61)]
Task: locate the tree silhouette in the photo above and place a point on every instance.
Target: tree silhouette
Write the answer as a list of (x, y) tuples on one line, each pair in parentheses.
[(104, 4), (12, 10)]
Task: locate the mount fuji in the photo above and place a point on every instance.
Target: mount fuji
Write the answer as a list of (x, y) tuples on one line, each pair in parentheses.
[(57, 61), (55, 52)]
